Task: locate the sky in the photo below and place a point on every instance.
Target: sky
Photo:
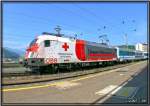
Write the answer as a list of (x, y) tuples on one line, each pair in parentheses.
[(23, 21)]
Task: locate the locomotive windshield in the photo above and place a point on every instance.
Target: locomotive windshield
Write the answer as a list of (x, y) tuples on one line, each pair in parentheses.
[(33, 42)]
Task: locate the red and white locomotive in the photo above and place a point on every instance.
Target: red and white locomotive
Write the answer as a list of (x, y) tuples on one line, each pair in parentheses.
[(54, 50)]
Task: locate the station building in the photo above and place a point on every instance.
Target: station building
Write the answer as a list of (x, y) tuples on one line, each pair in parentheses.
[(142, 47)]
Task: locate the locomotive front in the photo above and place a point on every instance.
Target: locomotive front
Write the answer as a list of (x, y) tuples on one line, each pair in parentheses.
[(32, 54)]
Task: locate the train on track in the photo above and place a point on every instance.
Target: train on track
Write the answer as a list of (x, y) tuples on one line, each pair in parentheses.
[(54, 51)]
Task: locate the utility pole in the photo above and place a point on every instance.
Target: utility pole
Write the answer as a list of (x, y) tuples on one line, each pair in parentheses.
[(126, 41), (125, 36)]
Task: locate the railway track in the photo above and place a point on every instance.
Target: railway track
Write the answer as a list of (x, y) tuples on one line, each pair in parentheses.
[(16, 74), (28, 78)]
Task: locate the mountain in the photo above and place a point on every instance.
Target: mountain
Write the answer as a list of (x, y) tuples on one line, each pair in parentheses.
[(18, 51), (11, 53)]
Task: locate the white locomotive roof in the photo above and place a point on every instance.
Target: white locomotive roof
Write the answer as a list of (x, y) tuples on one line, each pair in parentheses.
[(56, 38), (66, 39)]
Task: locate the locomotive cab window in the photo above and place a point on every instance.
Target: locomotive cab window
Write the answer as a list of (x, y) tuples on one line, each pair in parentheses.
[(47, 43)]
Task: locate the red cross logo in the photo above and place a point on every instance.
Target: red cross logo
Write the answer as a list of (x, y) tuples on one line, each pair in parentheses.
[(65, 46)]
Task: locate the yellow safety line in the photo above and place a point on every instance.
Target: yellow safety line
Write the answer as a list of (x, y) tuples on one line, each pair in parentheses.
[(32, 87), (24, 88), (52, 84)]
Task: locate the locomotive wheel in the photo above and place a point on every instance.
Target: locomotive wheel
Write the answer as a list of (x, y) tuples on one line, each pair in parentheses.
[(51, 69), (104, 63), (69, 67), (54, 69), (43, 70)]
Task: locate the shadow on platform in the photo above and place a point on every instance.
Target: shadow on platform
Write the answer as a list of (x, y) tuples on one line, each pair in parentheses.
[(135, 91)]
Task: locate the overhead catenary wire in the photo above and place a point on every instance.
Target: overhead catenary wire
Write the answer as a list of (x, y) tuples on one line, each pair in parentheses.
[(129, 28), (107, 22), (47, 21), (79, 15)]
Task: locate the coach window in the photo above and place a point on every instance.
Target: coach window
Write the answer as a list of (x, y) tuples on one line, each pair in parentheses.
[(47, 43)]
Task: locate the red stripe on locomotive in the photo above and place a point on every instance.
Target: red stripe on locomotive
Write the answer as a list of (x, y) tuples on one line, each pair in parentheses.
[(102, 56), (112, 55), (33, 48), (80, 50), (81, 53)]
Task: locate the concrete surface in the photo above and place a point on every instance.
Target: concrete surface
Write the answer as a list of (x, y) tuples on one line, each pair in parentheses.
[(123, 85)]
